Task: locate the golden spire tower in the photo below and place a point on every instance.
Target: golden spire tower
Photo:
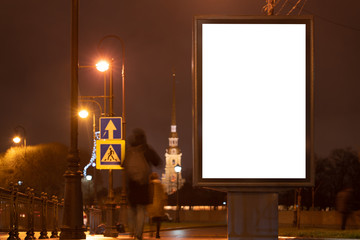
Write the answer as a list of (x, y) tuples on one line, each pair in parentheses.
[(173, 152)]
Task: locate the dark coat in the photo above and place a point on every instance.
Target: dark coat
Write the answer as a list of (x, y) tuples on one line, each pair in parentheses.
[(344, 200), (156, 208), (140, 193)]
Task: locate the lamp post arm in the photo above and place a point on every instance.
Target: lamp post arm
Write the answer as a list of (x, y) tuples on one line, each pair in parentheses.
[(80, 66), (122, 71), (84, 99)]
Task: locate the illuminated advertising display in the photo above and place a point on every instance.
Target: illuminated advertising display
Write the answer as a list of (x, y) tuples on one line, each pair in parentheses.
[(253, 101)]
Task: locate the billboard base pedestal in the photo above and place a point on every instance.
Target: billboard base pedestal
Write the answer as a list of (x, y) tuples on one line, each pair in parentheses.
[(252, 215)]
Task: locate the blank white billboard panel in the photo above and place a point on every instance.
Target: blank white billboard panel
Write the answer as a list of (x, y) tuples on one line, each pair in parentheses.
[(252, 101), (254, 89)]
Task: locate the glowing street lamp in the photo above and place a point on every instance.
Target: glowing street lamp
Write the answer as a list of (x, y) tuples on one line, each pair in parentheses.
[(177, 168), (20, 137), (16, 139), (102, 66), (83, 113)]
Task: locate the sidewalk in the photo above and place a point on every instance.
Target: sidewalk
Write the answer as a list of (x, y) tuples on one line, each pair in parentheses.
[(165, 235), (170, 237), (182, 232)]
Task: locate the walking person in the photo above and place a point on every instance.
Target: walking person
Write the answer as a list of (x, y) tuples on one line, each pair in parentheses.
[(139, 158), (156, 210), (344, 201)]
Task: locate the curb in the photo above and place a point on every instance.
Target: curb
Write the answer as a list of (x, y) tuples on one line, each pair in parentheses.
[(190, 227)]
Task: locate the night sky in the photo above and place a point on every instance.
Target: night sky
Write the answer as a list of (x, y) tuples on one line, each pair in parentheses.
[(157, 34)]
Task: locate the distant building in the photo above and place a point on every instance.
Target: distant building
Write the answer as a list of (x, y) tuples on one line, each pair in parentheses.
[(173, 153)]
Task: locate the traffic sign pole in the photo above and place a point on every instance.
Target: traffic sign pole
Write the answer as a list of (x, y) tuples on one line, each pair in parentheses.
[(110, 230)]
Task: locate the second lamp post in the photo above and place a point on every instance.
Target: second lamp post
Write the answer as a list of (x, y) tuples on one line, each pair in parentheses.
[(177, 169)]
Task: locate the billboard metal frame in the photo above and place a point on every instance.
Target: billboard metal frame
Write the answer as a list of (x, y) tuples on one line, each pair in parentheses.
[(250, 183)]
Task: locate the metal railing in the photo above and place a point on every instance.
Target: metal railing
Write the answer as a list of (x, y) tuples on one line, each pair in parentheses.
[(28, 213), (95, 219)]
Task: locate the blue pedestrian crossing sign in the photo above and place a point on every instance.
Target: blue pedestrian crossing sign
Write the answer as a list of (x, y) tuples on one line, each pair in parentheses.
[(110, 154), (111, 128)]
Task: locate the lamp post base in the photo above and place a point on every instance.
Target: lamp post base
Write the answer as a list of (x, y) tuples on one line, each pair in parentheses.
[(110, 229), (73, 227), (123, 209), (71, 233)]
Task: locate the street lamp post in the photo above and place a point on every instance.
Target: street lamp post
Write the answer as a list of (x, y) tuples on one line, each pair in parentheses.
[(103, 66), (177, 169), (72, 227), (110, 226), (110, 230), (84, 114), (89, 178)]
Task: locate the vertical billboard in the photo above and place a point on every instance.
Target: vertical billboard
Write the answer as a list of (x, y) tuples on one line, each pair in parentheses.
[(253, 101)]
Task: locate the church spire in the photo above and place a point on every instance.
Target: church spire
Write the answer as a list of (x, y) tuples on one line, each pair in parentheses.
[(172, 180), (173, 132)]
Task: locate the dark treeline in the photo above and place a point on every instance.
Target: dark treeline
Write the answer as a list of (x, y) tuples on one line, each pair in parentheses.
[(42, 167), (339, 170)]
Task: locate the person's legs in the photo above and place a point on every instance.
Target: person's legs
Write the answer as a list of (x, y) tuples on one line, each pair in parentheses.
[(140, 218), (343, 220), (158, 229), (157, 221), (131, 219), (151, 226)]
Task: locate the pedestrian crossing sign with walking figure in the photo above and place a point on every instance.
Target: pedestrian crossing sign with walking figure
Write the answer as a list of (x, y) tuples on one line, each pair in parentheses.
[(110, 154)]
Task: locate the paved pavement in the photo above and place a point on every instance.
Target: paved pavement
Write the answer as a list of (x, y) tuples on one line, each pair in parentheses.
[(218, 233)]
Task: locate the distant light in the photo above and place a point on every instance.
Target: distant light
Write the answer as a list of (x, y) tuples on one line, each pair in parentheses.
[(16, 139), (102, 66), (83, 113), (88, 177), (224, 203), (177, 168), (20, 182)]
